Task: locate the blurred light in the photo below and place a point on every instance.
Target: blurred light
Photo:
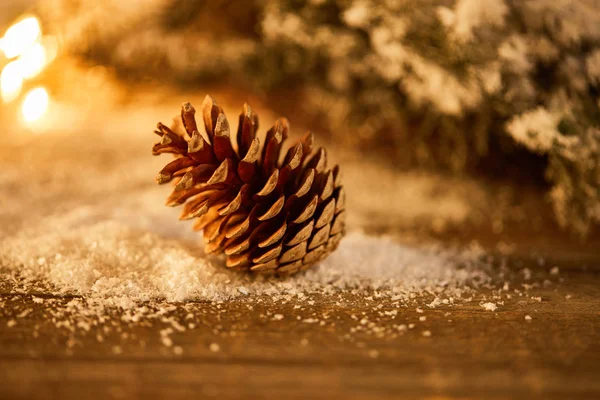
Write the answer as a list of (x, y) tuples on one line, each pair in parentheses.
[(35, 104), (11, 81), (21, 36), (32, 61), (50, 44)]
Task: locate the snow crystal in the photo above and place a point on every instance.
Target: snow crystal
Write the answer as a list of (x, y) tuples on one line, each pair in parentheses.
[(310, 321), (489, 306), (178, 350)]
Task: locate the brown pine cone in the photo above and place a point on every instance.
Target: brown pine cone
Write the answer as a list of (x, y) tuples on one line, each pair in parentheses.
[(266, 216)]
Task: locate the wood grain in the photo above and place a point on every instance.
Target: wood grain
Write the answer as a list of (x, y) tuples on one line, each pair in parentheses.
[(471, 353)]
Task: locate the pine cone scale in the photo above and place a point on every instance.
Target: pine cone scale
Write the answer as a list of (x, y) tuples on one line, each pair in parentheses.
[(265, 216)]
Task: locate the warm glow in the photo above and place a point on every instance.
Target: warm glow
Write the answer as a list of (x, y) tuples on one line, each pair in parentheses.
[(50, 44), (32, 61), (35, 104), (11, 81), (21, 36), (31, 52), (24, 40)]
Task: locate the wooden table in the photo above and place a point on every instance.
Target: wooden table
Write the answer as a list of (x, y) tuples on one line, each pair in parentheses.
[(260, 349)]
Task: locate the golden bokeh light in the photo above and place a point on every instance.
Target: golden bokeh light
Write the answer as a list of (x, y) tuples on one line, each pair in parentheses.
[(31, 52), (35, 104), (11, 81), (32, 61), (20, 37)]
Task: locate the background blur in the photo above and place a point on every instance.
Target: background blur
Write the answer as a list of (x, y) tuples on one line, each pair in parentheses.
[(448, 116)]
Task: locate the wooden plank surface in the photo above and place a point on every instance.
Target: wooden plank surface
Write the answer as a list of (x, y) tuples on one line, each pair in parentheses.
[(346, 346)]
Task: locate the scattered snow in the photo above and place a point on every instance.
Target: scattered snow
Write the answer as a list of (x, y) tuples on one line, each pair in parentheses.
[(123, 266), (489, 306), (310, 321)]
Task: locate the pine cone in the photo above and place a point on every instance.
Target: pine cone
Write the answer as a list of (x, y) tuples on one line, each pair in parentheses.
[(266, 216)]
